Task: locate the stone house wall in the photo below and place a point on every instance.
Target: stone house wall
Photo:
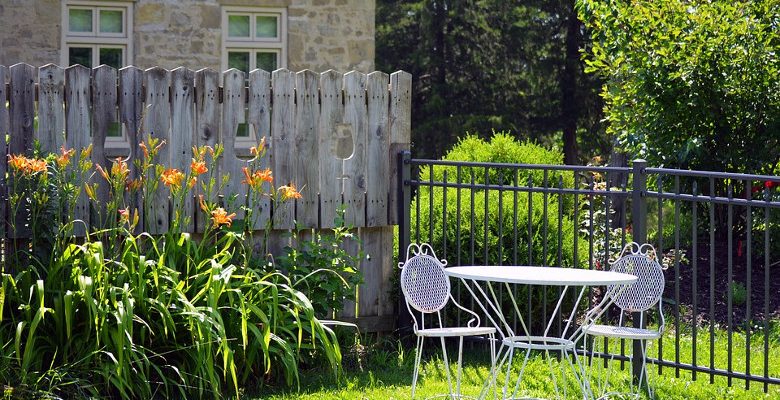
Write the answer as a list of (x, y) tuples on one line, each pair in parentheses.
[(321, 34)]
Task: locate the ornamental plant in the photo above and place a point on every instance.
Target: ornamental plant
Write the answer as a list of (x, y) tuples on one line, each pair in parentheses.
[(120, 313)]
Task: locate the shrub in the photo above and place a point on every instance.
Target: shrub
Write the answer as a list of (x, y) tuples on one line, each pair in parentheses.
[(499, 223)]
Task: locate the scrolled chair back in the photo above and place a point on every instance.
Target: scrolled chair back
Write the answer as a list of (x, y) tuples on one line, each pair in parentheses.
[(424, 283), (645, 292)]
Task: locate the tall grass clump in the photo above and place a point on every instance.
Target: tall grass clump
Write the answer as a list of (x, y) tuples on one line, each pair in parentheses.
[(119, 313)]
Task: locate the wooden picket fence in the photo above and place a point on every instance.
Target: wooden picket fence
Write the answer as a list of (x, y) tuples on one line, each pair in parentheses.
[(307, 118)]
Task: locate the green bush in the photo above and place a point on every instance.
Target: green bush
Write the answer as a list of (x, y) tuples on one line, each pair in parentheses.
[(500, 238)]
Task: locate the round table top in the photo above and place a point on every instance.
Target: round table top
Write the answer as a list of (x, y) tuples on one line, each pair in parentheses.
[(540, 275)]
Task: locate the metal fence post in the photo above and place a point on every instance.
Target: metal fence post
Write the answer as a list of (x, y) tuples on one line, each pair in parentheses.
[(639, 232), (404, 222)]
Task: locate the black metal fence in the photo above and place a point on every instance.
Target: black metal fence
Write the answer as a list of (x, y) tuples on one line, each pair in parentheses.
[(718, 234)]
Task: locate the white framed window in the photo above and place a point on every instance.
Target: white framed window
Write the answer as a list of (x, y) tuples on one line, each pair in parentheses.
[(253, 38), (96, 33)]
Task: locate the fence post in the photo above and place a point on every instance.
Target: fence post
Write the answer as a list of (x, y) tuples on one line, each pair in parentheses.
[(639, 232), (404, 222)]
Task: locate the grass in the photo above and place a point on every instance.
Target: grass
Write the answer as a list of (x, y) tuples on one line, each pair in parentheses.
[(386, 372)]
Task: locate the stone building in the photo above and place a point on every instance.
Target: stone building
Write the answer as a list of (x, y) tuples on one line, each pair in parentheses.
[(219, 34)]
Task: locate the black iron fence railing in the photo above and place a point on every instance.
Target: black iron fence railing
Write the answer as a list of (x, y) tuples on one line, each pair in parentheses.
[(717, 233)]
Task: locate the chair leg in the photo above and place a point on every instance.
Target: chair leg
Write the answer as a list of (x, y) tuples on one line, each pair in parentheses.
[(417, 359), (446, 365), (460, 367)]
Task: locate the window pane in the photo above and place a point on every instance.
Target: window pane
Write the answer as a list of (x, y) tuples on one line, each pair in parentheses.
[(242, 130), (80, 55), (80, 20), (111, 21), (114, 129), (266, 61), (238, 26), (111, 57), (238, 60), (266, 26)]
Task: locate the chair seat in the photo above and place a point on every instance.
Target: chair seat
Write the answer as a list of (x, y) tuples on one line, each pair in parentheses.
[(456, 331), (622, 332)]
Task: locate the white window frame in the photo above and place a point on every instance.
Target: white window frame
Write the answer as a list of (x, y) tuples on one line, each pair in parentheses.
[(96, 39), (252, 44), (115, 145)]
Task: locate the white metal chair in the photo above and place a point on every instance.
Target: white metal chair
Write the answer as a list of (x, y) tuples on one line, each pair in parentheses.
[(639, 297), (426, 288)]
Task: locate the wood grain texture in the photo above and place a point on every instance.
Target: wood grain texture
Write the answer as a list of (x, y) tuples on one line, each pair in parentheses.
[(282, 131), (22, 114), (22, 109), (331, 166), (3, 152), (377, 148), (400, 122), (306, 174), (259, 119), (229, 165), (51, 108), (158, 125), (356, 116), (77, 129), (130, 116), (207, 122), (182, 136), (103, 114)]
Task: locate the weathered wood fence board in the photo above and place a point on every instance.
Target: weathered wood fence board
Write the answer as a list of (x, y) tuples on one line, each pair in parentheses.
[(51, 103), (331, 118), (157, 119), (182, 131), (356, 116), (282, 127), (3, 147), (332, 135), (77, 132), (232, 115), (207, 122)]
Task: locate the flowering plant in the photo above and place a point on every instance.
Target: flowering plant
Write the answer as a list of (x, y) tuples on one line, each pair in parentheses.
[(136, 314)]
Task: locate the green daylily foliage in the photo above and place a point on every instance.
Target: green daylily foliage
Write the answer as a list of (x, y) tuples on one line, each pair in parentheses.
[(119, 314)]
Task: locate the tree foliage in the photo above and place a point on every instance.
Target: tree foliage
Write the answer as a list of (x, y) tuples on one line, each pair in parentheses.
[(690, 83), (484, 65)]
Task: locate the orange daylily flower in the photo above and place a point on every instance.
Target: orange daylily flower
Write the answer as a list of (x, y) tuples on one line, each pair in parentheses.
[(64, 158), (255, 151), (289, 192), (265, 175), (143, 147), (192, 182), (17, 162), (102, 172), (221, 217), (134, 184), (203, 205), (124, 215), (257, 178), (198, 167), (172, 177), (120, 168)]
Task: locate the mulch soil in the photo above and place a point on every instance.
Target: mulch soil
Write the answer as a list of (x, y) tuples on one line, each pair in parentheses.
[(757, 298)]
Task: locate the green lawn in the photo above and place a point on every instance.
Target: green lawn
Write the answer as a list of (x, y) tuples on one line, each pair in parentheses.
[(386, 373)]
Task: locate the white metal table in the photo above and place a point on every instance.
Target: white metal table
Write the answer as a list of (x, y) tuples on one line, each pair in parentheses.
[(564, 342)]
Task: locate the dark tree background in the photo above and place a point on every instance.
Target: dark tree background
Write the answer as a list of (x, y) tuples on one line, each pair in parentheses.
[(484, 65)]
